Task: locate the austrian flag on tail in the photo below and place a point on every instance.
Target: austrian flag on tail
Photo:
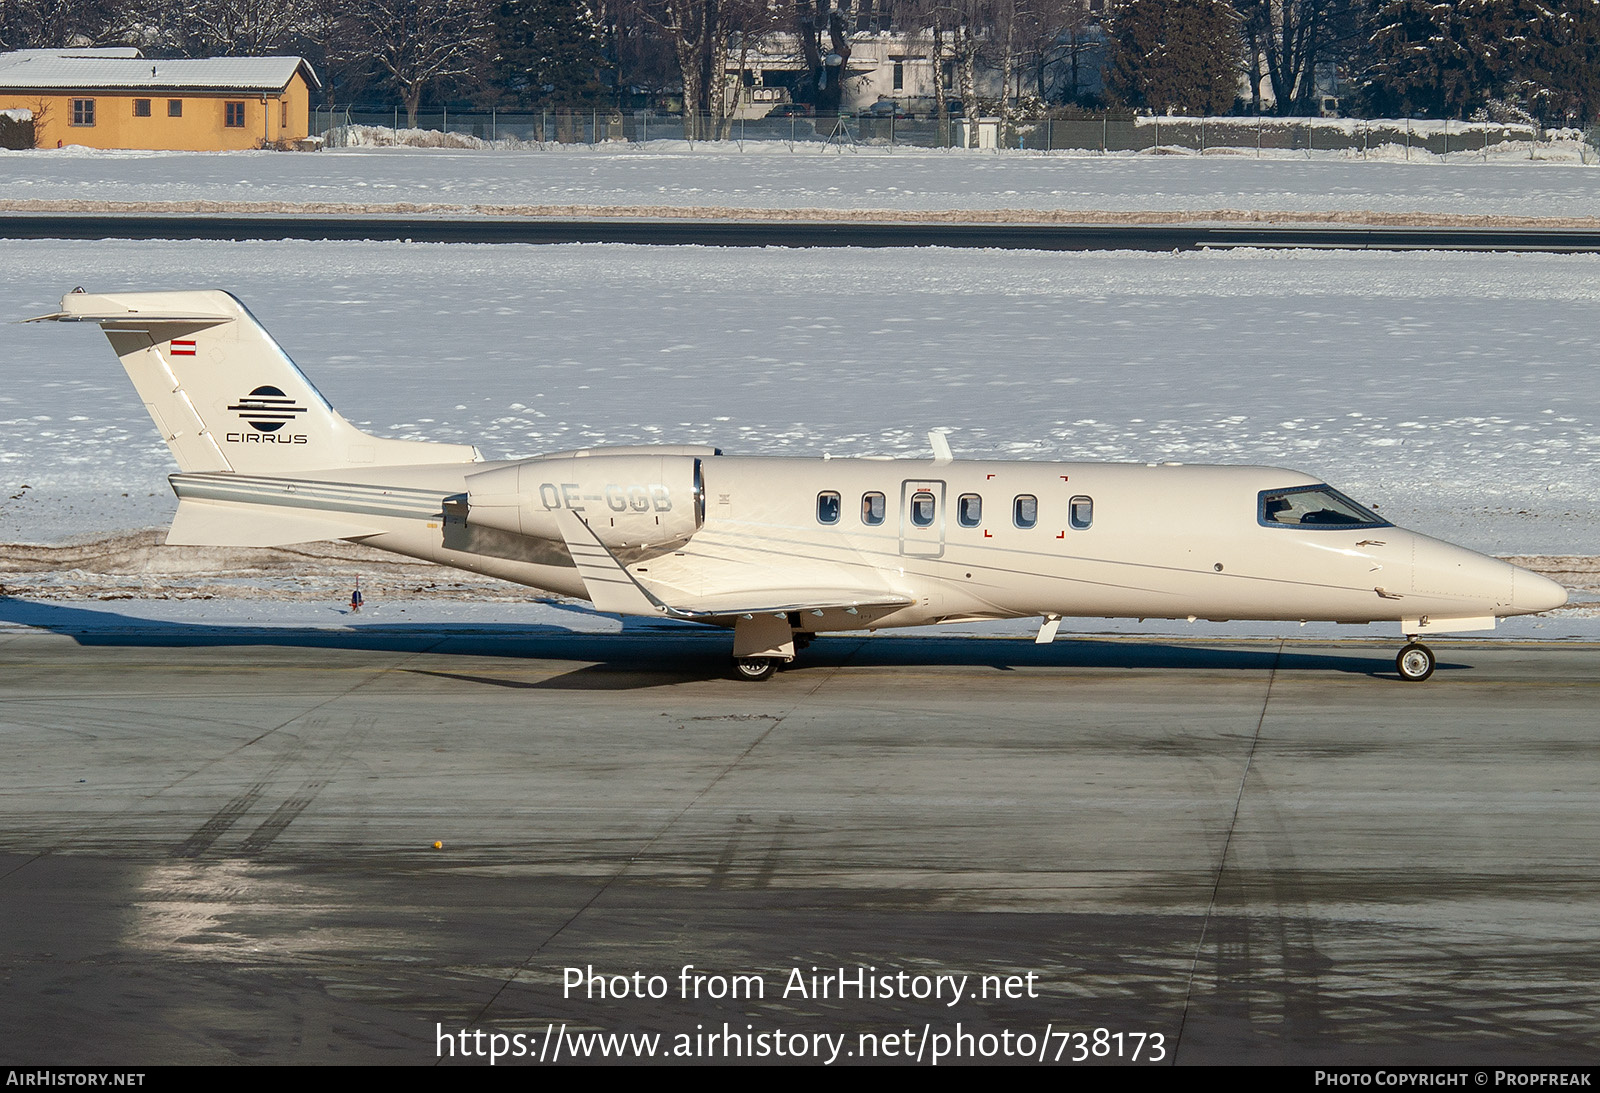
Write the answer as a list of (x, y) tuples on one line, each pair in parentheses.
[(182, 347)]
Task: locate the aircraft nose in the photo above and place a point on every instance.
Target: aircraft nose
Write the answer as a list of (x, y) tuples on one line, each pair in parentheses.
[(1531, 593)]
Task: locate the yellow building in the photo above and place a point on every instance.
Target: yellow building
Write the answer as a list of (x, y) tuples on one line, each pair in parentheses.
[(117, 98)]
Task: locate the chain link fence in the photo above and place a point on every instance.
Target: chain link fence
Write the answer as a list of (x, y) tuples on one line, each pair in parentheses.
[(1107, 133)]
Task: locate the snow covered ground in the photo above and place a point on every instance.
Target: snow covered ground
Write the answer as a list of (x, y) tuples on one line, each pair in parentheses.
[(1459, 391), (671, 175)]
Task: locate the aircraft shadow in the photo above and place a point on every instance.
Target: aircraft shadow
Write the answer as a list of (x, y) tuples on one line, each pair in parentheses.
[(650, 653)]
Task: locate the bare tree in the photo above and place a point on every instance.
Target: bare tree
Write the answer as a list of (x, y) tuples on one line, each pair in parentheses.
[(1291, 36), (208, 28), (705, 34), (824, 85), (49, 24), (417, 42)]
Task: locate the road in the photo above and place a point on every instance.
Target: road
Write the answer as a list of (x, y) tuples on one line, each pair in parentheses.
[(755, 233), (217, 845)]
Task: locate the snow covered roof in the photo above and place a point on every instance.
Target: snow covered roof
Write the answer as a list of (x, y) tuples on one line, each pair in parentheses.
[(73, 69)]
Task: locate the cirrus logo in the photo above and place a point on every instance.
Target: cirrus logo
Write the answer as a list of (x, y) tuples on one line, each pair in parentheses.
[(267, 409)]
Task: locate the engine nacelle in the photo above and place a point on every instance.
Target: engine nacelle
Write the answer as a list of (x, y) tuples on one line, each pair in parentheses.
[(628, 499)]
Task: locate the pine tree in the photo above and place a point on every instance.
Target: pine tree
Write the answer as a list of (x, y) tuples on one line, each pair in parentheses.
[(550, 53), (1447, 60), (1180, 55)]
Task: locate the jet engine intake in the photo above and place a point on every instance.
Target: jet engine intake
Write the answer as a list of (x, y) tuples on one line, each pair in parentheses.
[(628, 501)]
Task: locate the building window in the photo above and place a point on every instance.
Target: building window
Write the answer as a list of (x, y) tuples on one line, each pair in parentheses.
[(899, 75), (82, 111), (174, 108), (235, 115), (283, 113), (141, 108)]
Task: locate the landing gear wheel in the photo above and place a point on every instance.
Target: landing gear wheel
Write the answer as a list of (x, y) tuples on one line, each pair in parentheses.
[(1415, 663), (754, 669)]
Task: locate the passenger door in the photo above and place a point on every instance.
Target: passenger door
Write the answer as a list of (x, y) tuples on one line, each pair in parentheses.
[(922, 518)]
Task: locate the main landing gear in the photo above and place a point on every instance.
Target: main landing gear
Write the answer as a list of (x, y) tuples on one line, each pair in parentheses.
[(762, 644), (1415, 662), (754, 669)]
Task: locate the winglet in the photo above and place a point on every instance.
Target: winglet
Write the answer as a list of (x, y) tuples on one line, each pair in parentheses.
[(941, 447), (611, 588)]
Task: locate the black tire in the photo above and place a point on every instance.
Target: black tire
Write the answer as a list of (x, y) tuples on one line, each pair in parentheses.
[(754, 669), (1415, 663)]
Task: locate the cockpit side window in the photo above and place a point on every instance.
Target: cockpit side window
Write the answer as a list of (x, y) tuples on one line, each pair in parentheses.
[(1314, 507)]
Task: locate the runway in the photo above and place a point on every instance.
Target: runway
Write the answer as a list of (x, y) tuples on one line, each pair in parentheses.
[(217, 844), (789, 233)]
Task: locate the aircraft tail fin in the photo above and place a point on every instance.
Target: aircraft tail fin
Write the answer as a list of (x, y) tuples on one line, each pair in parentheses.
[(224, 394)]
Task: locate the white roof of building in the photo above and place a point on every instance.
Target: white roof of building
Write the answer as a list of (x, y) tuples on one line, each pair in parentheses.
[(107, 69)]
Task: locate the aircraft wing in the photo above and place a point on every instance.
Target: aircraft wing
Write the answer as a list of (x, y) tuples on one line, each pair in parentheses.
[(613, 589)]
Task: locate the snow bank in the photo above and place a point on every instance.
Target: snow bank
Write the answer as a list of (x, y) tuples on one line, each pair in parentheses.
[(671, 174)]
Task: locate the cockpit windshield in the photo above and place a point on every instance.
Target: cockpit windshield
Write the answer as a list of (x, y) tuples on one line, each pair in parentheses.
[(1314, 507)]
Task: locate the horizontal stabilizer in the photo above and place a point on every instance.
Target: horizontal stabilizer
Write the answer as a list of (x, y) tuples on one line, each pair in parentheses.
[(200, 524)]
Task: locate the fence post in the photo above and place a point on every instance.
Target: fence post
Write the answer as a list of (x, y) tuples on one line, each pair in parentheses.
[(1260, 126), (494, 124), (1446, 153), (1202, 136), (446, 122), (397, 119), (1103, 134)]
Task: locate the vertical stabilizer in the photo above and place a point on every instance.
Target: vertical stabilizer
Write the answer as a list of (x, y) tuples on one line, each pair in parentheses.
[(225, 395)]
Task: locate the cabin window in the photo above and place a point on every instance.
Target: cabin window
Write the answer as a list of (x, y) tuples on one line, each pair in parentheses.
[(969, 510), (1025, 511), (923, 509), (1314, 507), (141, 108), (235, 115), (827, 507), (82, 111), (174, 108), (873, 509), (1080, 512)]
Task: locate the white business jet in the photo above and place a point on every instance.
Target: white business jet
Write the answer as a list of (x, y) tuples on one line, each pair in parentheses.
[(779, 550)]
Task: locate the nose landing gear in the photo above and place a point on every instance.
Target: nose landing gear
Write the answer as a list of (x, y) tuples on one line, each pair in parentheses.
[(1415, 662)]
